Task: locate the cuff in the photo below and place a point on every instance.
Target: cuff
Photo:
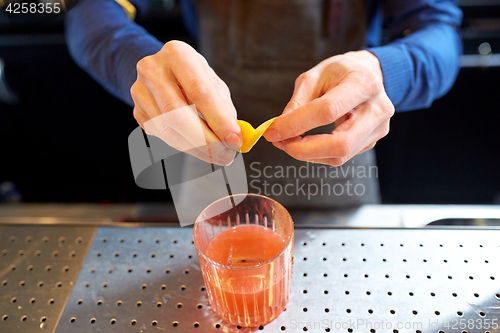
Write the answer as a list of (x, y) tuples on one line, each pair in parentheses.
[(397, 70)]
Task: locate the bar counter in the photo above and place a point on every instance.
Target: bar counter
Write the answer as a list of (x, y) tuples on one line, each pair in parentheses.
[(128, 277)]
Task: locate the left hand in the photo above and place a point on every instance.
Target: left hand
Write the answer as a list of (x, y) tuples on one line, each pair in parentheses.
[(346, 89)]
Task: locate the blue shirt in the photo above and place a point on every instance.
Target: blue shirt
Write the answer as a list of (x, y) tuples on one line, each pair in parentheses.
[(419, 63)]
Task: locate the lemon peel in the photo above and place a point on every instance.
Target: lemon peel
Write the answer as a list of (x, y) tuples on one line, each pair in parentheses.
[(252, 135)]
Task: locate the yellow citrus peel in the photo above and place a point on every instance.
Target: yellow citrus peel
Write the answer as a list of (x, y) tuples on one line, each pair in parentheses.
[(252, 135)]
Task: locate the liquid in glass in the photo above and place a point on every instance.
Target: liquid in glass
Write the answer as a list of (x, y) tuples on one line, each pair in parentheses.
[(246, 262)]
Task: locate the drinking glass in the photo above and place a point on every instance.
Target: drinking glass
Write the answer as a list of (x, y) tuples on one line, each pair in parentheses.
[(246, 255)]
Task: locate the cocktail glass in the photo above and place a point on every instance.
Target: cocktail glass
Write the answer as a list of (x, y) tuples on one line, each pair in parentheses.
[(246, 256)]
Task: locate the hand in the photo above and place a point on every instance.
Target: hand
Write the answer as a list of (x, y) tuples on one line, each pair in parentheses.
[(346, 89), (171, 80)]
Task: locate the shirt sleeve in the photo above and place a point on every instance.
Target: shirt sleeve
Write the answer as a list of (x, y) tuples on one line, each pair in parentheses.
[(422, 61), (107, 44)]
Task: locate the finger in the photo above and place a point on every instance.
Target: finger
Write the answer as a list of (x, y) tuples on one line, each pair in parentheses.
[(209, 151), (183, 119), (345, 141), (160, 95), (369, 143), (334, 161), (199, 90), (145, 101), (170, 136), (158, 83), (279, 145), (221, 87), (342, 119), (158, 92), (140, 116), (380, 132), (220, 154), (182, 129), (346, 96), (215, 153), (306, 89), (371, 146), (157, 98)]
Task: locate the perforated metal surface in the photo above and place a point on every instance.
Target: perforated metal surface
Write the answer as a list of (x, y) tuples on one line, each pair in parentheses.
[(135, 280), (422, 279), (344, 280), (38, 267)]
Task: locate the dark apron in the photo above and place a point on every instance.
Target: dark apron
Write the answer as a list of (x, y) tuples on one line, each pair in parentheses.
[(259, 48)]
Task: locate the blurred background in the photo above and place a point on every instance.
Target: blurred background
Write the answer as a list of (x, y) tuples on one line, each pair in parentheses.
[(64, 139)]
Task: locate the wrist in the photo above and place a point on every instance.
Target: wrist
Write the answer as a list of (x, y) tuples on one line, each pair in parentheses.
[(369, 60)]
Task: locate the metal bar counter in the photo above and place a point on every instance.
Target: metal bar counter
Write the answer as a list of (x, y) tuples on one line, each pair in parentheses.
[(78, 278)]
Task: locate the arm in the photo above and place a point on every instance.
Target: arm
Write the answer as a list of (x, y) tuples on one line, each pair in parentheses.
[(160, 81), (422, 66), (107, 44), (358, 91)]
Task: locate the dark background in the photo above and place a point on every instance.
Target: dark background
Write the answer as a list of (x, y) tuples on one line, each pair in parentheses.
[(65, 139)]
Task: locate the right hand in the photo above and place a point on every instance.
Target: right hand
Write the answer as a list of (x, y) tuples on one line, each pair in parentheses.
[(174, 78)]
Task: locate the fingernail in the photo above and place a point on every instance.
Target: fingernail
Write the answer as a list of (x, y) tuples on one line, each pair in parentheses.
[(226, 157), (273, 135), (233, 139)]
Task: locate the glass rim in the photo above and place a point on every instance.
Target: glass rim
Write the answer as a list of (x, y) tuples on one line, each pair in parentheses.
[(246, 267)]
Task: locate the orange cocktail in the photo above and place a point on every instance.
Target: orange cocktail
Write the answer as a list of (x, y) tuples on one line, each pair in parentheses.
[(245, 255)]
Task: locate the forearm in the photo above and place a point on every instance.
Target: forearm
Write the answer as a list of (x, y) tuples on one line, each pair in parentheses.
[(422, 66), (107, 44)]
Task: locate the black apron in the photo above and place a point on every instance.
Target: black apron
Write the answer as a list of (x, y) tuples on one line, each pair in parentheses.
[(259, 48)]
